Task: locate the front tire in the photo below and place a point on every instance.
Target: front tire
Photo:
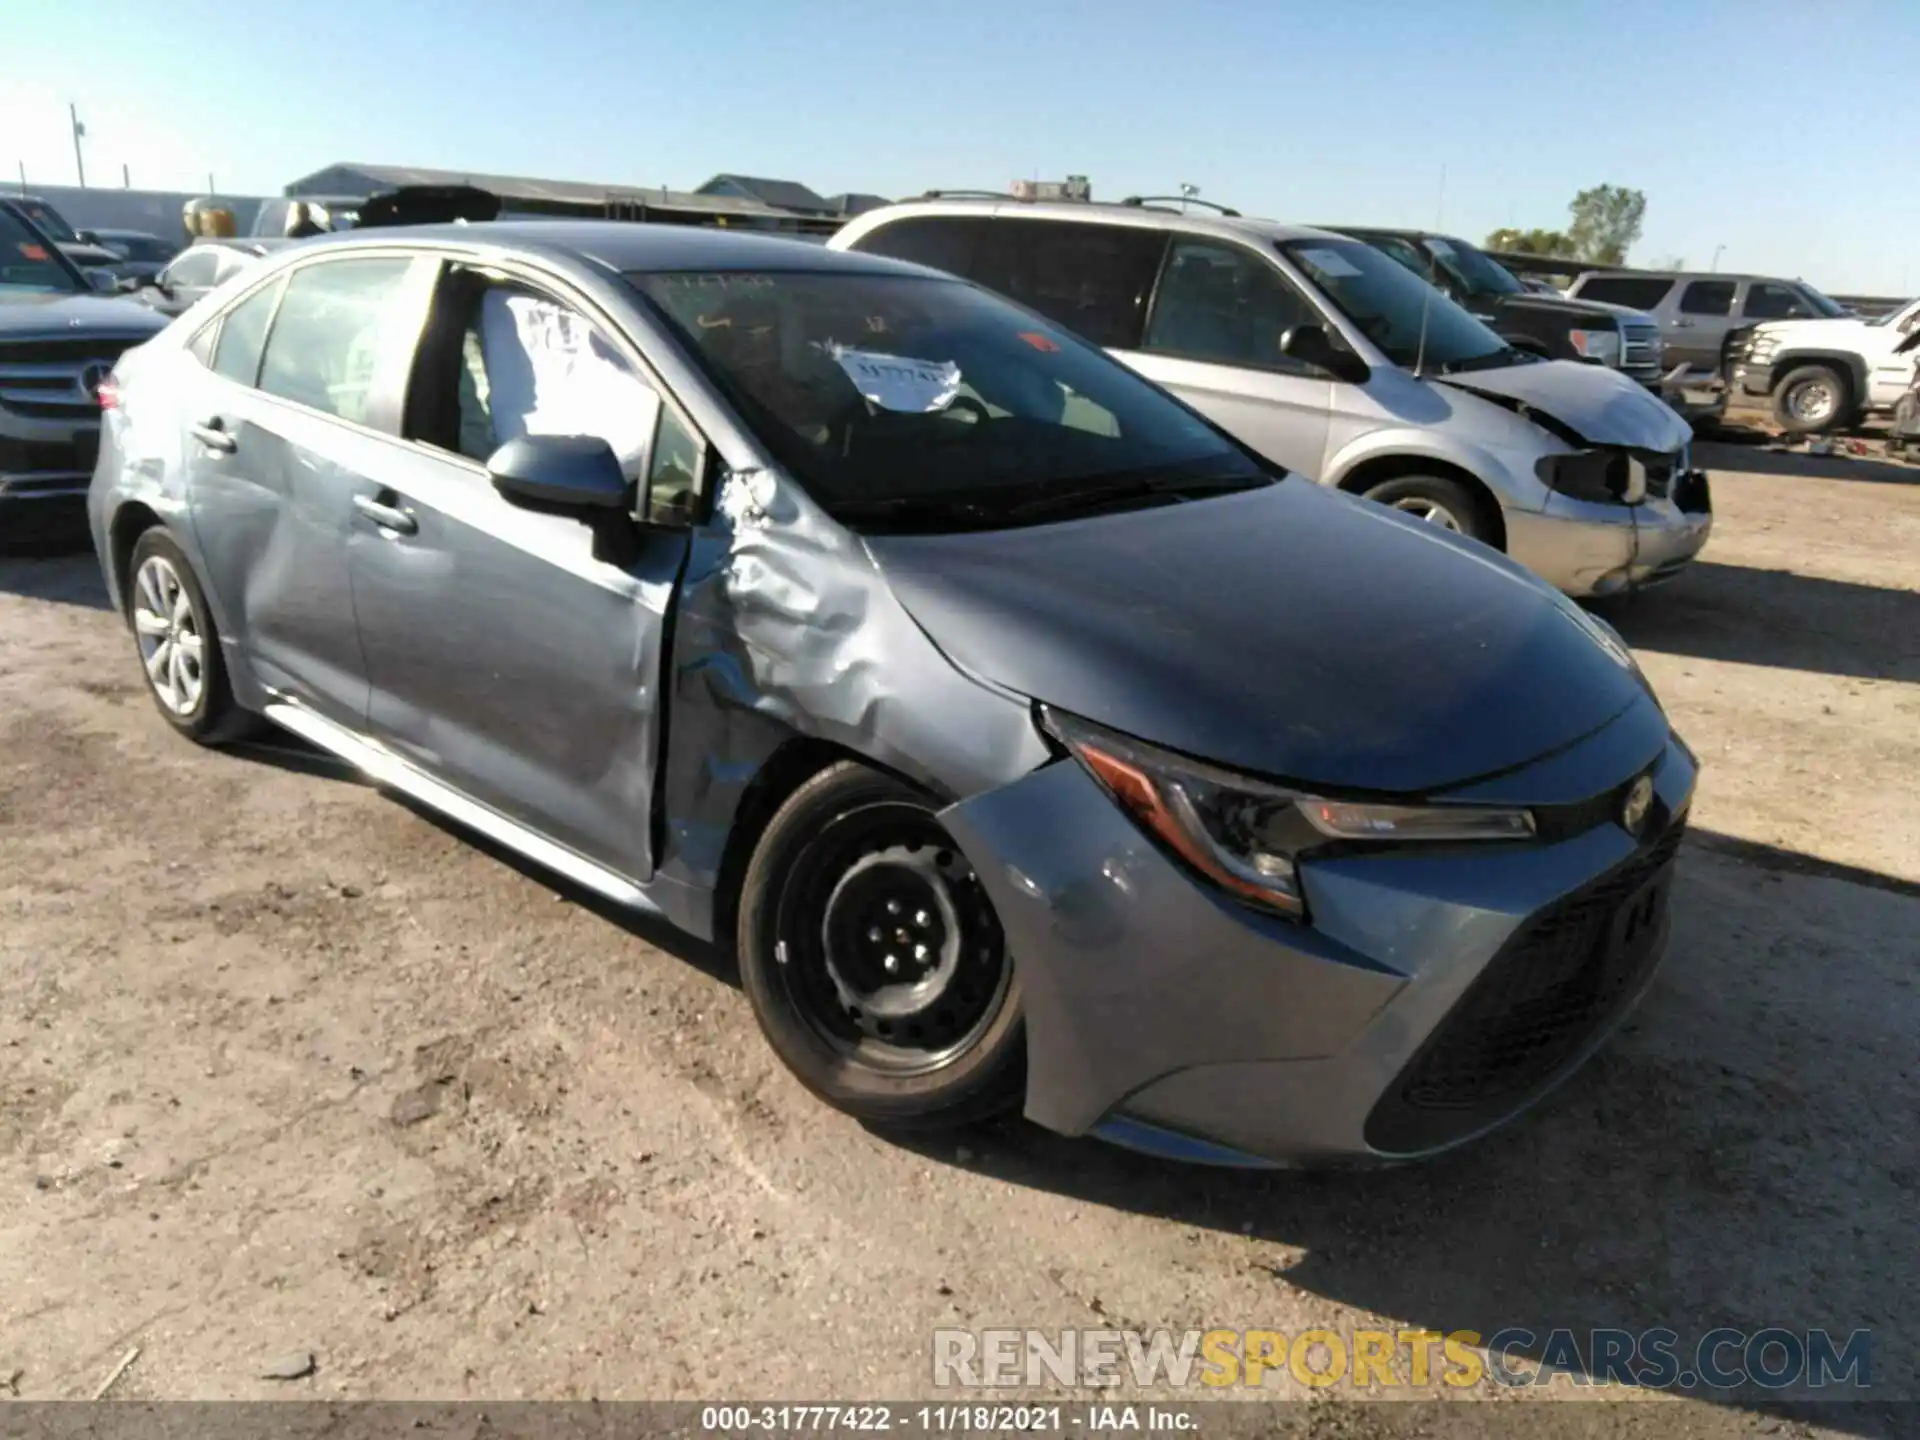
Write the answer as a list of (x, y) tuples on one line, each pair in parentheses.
[(1438, 500), (179, 647), (1812, 398), (873, 958)]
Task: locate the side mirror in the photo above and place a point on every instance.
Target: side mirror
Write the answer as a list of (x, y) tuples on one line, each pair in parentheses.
[(1312, 345), (560, 472), (105, 281), (86, 237)]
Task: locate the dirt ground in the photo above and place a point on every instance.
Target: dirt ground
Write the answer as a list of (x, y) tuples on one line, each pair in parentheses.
[(288, 1068)]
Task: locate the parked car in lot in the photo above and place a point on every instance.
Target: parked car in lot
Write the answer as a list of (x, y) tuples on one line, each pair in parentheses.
[(1549, 325), (79, 246), (201, 269), (1698, 311), (1035, 742), (141, 255), (1342, 364), (58, 341), (1830, 373)]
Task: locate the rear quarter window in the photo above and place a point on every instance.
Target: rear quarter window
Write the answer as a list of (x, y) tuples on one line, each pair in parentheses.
[(944, 243)]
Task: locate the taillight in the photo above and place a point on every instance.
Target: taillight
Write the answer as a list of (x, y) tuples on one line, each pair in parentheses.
[(107, 392)]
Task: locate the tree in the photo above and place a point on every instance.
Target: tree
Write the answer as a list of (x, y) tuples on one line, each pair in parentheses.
[(1530, 242), (1606, 222)]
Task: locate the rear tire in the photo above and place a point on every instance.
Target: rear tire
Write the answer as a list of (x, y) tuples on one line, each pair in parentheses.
[(873, 959), (1438, 500), (178, 646), (1812, 398)]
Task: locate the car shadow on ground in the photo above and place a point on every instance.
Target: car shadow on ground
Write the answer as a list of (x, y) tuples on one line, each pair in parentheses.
[(1776, 618), (65, 579), (1736, 1156), (288, 752), (1755, 458)]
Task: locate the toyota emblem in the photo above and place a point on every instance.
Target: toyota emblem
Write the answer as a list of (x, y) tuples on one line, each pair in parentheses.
[(1633, 810), (91, 377)]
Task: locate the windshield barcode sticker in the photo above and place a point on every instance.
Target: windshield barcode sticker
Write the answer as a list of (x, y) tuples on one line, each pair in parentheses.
[(898, 382)]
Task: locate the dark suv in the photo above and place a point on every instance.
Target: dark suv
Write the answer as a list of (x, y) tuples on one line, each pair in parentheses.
[(58, 341)]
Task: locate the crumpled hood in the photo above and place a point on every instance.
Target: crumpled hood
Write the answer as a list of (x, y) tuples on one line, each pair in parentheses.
[(1291, 631), (1601, 406), (76, 315)]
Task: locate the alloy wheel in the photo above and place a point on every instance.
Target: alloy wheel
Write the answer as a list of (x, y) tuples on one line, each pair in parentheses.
[(171, 645), (1814, 402), (1431, 511)]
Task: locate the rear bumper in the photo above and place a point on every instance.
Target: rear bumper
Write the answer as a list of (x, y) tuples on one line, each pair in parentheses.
[(1166, 1018)]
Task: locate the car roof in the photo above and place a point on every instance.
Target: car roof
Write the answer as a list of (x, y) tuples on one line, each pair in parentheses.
[(1736, 276), (623, 245), (1142, 217)]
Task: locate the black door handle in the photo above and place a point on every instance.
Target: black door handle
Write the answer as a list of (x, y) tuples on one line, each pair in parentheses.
[(387, 517), (213, 435)]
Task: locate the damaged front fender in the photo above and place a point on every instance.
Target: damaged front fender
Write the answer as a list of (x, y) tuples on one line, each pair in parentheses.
[(785, 629)]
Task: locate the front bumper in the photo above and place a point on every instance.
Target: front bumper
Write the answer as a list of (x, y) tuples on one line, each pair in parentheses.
[(1588, 549), (1166, 1017), (45, 469), (1751, 380)]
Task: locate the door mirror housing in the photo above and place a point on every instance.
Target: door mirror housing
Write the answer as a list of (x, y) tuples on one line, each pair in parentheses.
[(1312, 345), (104, 281), (573, 473)]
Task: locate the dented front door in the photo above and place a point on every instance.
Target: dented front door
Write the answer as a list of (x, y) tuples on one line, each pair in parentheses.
[(509, 662)]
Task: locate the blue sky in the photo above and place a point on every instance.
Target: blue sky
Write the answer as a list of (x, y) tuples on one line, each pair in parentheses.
[(1783, 130)]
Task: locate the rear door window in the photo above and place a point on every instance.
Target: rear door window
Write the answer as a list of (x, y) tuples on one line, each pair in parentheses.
[(338, 320), (1707, 297), (1225, 305), (1636, 292), (243, 333), (1093, 279)]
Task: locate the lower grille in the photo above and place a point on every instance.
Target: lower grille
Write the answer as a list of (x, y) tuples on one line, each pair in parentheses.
[(1534, 1010)]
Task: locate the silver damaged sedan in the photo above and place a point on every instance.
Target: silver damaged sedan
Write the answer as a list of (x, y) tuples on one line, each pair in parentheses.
[(1035, 743)]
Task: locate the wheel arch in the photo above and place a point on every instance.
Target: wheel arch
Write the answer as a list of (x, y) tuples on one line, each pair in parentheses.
[(132, 520), (1377, 469)]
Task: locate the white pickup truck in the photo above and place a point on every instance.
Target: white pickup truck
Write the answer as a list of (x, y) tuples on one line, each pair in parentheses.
[(1828, 374)]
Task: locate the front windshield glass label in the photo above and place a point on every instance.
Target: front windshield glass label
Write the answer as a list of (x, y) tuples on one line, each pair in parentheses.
[(897, 382), (1330, 262)]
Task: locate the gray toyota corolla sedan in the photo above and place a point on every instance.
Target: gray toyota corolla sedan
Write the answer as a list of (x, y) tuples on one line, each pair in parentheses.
[(1034, 742)]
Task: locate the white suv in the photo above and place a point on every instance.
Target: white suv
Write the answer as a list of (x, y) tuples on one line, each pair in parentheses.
[(1341, 364)]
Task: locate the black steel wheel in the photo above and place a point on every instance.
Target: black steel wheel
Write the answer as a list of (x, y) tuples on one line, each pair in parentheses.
[(874, 959)]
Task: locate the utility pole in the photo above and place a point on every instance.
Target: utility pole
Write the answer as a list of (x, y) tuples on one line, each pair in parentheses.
[(126, 176), (79, 133), (1715, 266), (23, 176)]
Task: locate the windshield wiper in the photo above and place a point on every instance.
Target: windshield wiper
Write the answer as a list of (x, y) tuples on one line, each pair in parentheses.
[(1085, 499), (1493, 360), (911, 508)]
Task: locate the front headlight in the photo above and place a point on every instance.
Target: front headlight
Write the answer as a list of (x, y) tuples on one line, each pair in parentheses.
[(1600, 345), (1247, 835)]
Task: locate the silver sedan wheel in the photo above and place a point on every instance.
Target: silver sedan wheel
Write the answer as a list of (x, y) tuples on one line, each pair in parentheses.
[(171, 645), (1814, 402), (1431, 511)]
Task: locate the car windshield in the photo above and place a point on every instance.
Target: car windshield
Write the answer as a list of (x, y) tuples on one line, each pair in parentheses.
[(50, 220), (1411, 323), (910, 402), (1476, 272), (28, 263), (1831, 309)]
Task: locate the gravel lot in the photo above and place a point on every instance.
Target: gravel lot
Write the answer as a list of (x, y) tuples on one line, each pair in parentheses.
[(287, 1067)]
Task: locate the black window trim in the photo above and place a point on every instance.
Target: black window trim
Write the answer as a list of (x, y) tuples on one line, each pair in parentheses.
[(1694, 281), (547, 284)]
